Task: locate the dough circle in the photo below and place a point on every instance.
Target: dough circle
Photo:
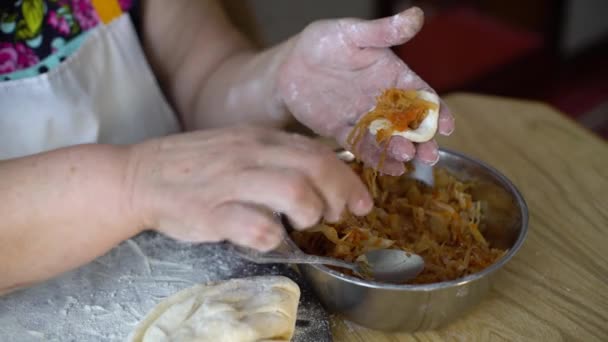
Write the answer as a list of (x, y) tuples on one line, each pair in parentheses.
[(262, 308)]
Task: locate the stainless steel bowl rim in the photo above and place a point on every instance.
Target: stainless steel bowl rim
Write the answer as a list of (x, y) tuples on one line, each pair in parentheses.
[(464, 280)]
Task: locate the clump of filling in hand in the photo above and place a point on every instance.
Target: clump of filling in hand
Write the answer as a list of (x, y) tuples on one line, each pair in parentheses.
[(397, 110)]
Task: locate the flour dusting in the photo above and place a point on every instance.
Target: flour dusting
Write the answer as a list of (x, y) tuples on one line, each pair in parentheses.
[(104, 300)]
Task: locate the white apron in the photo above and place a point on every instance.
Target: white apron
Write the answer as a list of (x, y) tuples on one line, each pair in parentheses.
[(103, 93)]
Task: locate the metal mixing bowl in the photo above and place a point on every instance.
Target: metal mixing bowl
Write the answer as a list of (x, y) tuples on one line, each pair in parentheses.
[(412, 308)]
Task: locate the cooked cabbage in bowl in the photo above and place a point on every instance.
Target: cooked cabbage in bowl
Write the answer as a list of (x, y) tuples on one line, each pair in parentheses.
[(444, 225)]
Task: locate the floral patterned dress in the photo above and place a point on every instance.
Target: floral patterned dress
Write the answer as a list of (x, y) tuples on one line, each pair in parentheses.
[(37, 35)]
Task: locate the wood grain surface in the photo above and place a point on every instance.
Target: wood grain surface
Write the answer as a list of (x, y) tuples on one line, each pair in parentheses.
[(556, 287)]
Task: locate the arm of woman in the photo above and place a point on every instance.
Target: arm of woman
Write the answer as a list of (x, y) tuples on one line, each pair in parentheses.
[(211, 73), (326, 77), (59, 210), (63, 208)]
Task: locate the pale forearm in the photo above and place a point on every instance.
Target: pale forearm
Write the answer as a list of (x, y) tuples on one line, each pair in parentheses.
[(212, 74), (60, 210), (243, 89)]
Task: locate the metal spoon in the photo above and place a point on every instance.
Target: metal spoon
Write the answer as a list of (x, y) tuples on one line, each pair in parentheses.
[(383, 265), (393, 265)]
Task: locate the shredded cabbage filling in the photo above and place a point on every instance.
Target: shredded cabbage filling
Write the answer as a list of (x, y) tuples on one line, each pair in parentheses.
[(441, 224)]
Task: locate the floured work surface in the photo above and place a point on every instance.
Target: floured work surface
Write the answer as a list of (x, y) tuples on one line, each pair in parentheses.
[(107, 298)]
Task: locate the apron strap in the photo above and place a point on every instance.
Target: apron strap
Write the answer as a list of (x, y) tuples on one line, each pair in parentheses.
[(107, 10)]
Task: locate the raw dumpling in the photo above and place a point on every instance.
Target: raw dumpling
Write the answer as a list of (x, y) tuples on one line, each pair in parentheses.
[(251, 309), (424, 132)]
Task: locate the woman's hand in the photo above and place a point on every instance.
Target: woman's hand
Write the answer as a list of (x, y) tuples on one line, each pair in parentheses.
[(223, 184), (335, 70), (327, 76), (63, 208)]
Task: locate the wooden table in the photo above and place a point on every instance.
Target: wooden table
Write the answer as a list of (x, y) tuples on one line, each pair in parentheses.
[(556, 287)]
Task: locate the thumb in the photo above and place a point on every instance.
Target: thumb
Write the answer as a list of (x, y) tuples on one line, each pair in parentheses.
[(388, 31)]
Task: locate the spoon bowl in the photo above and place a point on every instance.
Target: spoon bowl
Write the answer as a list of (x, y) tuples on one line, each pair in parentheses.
[(392, 265), (383, 265)]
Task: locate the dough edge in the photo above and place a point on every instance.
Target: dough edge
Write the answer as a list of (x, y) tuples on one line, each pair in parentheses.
[(155, 312)]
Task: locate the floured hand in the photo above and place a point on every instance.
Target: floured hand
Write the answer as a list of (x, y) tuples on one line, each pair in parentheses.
[(334, 72), (223, 184)]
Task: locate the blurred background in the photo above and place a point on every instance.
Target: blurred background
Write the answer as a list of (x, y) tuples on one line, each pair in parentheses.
[(555, 51)]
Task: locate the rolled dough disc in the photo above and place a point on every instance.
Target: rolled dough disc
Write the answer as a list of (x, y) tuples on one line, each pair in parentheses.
[(261, 308)]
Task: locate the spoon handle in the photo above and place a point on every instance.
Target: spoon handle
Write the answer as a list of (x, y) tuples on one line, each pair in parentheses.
[(286, 252), (274, 258)]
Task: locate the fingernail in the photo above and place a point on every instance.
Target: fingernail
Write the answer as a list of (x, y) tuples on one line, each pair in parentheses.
[(447, 132), (331, 218), (399, 153), (405, 157), (395, 173), (435, 161), (365, 204), (272, 240)]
